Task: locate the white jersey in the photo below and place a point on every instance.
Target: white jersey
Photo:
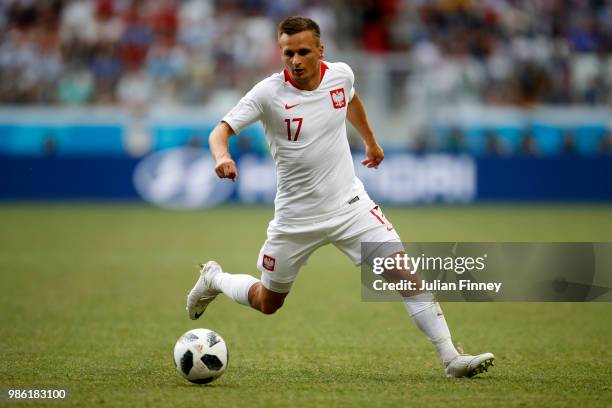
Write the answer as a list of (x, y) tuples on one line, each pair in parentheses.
[(306, 133)]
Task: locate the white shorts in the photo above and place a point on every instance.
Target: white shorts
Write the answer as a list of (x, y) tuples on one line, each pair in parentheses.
[(288, 247)]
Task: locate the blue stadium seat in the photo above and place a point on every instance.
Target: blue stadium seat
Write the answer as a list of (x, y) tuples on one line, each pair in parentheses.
[(167, 136), (98, 140), (68, 140), (548, 138), (588, 138), (510, 138), (475, 140)]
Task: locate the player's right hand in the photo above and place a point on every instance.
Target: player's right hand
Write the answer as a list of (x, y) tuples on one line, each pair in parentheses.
[(226, 168)]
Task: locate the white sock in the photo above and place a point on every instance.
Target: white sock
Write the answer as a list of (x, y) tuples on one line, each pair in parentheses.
[(428, 316), (236, 287)]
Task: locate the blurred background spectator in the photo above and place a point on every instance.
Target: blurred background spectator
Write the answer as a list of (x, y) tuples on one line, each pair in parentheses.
[(408, 55), (503, 52)]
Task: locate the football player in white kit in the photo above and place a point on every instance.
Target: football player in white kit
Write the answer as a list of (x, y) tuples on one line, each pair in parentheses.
[(319, 199)]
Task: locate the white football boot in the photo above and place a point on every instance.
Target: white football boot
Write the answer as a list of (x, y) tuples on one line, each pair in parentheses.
[(465, 365), (203, 293)]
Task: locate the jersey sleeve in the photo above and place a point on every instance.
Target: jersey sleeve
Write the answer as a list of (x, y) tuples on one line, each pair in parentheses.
[(248, 110), (351, 78)]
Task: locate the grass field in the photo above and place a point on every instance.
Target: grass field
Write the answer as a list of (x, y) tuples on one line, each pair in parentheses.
[(92, 300)]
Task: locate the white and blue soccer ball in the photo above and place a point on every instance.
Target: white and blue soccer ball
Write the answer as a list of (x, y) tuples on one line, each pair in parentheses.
[(201, 356)]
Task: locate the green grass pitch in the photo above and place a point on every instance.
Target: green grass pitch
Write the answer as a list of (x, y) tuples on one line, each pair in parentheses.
[(92, 300)]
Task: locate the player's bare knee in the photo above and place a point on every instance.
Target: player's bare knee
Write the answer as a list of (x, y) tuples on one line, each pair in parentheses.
[(268, 310), (272, 301), (270, 307), (396, 275), (397, 272)]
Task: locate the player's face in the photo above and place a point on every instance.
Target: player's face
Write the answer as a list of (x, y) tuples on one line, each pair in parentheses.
[(301, 53)]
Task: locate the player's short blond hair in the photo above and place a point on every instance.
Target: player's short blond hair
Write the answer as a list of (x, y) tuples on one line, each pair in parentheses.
[(297, 24)]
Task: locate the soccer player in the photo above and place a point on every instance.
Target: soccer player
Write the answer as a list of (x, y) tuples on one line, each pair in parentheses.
[(319, 199)]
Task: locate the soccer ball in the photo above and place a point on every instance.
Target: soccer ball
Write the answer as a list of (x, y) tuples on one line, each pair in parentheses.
[(201, 356)]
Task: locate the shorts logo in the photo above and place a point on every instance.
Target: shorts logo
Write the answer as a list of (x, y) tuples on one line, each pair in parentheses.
[(338, 99), (268, 262)]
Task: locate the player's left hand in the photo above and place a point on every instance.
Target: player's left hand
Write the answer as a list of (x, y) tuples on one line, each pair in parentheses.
[(375, 156)]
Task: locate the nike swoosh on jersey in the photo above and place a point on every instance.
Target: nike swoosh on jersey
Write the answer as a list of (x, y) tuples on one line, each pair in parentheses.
[(291, 106)]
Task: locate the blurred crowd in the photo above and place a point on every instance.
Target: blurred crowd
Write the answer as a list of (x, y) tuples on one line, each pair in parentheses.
[(139, 52), (520, 52)]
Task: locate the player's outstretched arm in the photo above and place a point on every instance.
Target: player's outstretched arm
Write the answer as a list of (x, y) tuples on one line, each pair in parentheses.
[(356, 115), (218, 141)]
